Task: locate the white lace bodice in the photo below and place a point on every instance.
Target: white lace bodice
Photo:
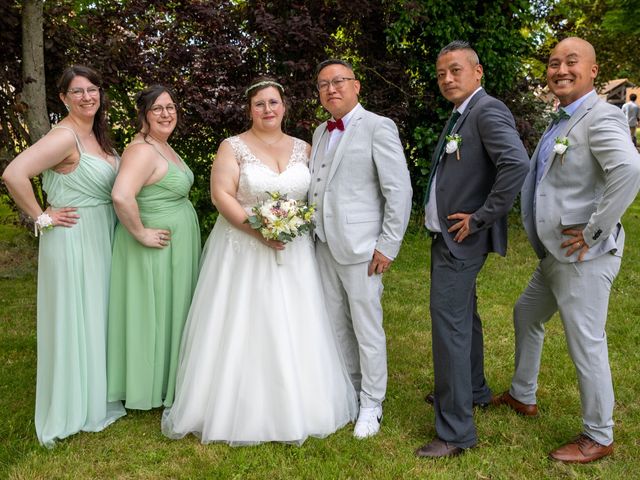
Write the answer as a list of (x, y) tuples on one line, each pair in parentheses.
[(256, 178)]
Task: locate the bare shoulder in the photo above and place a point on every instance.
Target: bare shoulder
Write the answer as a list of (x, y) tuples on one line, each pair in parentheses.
[(59, 137), (140, 158), (139, 150), (226, 151)]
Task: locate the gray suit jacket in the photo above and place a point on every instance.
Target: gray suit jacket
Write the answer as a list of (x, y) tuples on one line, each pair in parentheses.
[(590, 188), (485, 181), (367, 199)]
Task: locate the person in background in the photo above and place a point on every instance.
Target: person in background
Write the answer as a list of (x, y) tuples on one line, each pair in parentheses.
[(632, 112)]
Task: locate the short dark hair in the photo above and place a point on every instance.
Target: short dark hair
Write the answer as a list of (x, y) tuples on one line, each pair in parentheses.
[(100, 128), (460, 45), (633, 97), (145, 100), (332, 61)]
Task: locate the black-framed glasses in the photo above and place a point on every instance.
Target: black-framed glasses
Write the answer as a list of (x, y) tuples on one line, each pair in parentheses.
[(337, 83), (79, 92), (157, 110)]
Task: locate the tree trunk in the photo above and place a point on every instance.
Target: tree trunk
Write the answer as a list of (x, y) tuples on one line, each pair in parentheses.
[(34, 94)]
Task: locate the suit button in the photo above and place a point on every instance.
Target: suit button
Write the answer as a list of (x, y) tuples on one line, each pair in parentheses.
[(315, 194), (323, 165), (318, 179)]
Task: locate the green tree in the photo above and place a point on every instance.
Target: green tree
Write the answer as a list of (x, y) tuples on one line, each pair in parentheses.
[(611, 26), (500, 33), (209, 52)]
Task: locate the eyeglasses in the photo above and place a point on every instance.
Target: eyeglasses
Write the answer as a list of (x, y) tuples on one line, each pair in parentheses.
[(262, 105), (337, 83), (158, 109), (79, 92)]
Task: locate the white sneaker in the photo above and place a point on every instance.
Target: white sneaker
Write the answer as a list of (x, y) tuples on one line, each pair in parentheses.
[(368, 423)]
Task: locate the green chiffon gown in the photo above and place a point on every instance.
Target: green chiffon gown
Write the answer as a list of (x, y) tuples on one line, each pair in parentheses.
[(151, 292), (73, 293)]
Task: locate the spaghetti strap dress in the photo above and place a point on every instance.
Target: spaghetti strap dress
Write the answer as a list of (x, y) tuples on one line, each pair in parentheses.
[(151, 291), (73, 293)]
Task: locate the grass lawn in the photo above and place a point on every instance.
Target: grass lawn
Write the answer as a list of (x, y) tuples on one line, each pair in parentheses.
[(511, 447)]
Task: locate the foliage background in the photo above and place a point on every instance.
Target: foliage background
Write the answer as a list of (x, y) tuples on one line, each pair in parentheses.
[(209, 52)]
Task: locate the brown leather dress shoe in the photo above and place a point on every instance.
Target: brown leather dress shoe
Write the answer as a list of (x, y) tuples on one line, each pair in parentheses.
[(581, 450), (528, 410), (429, 398), (439, 448)]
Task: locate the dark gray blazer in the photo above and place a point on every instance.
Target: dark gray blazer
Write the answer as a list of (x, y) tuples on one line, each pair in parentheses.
[(485, 181)]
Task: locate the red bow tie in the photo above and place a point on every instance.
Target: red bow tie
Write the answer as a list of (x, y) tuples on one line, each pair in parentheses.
[(331, 126)]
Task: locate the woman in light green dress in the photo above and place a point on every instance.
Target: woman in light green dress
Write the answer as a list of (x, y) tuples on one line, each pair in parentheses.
[(78, 169), (155, 259)]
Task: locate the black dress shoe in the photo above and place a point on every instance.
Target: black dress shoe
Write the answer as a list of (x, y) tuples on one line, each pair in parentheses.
[(439, 448), (429, 399)]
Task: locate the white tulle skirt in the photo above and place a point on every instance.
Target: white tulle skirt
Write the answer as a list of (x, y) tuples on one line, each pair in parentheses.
[(259, 359)]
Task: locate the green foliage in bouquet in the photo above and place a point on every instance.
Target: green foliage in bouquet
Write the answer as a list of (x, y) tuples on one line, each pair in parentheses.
[(280, 218)]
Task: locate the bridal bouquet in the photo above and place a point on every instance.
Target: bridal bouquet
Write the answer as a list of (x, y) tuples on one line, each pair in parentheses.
[(279, 218)]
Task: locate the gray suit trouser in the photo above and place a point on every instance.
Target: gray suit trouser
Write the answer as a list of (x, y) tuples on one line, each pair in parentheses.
[(458, 358), (354, 304), (580, 292)]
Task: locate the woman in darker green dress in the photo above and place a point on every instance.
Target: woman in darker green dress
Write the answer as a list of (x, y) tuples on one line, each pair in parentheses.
[(155, 262)]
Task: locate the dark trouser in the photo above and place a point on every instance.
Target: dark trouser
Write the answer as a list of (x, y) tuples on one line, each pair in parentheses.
[(458, 358)]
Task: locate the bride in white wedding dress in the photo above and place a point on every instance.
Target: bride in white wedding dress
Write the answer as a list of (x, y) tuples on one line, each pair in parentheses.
[(259, 361)]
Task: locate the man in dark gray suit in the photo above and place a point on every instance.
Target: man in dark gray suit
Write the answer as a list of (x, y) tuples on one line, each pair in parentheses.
[(477, 171)]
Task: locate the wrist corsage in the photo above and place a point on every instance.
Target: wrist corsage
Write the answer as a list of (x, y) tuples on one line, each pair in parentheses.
[(453, 144), (43, 223), (560, 147)]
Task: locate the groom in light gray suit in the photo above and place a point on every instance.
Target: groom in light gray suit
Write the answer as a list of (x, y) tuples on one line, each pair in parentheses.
[(361, 186), (584, 174)]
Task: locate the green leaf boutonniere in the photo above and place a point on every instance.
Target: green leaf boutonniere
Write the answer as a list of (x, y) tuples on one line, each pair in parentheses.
[(453, 144)]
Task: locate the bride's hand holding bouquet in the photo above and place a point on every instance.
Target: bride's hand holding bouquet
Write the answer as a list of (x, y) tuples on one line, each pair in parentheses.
[(279, 220)]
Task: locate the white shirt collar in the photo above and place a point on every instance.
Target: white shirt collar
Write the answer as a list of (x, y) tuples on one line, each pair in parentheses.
[(464, 104), (348, 116)]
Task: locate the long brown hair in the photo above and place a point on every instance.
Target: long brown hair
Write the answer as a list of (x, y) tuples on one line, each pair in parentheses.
[(100, 129)]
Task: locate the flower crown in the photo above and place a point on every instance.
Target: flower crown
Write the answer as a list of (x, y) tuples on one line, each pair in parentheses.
[(265, 83)]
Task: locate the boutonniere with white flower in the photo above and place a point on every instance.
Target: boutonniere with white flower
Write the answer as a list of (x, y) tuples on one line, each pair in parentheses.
[(453, 144), (560, 147)]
